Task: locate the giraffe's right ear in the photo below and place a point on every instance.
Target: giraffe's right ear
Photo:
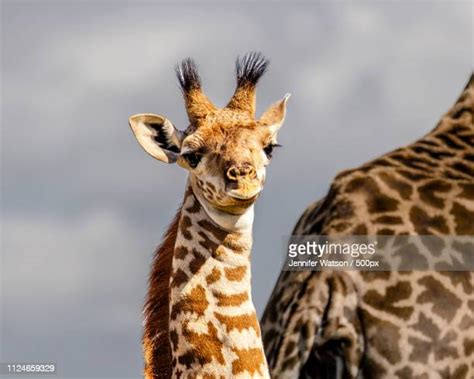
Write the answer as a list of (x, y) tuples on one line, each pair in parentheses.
[(157, 135)]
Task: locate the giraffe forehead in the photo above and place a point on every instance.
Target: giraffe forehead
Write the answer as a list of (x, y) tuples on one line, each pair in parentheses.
[(230, 138), (227, 122), (228, 116)]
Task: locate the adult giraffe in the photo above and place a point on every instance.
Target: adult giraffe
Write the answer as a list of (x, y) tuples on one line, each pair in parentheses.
[(200, 321), (385, 324)]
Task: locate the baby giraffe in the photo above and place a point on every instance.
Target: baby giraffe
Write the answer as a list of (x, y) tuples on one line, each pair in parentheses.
[(200, 321)]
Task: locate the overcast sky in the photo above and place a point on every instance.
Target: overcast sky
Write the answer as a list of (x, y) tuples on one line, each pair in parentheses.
[(83, 206)]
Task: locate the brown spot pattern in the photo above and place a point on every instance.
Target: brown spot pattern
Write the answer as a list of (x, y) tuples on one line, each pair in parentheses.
[(213, 277), (180, 252), (464, 219), (206, 242), (195, 302), (390, 220), (250, 360), (218, 233), (402, 187), (382, 331), (184, 226), (197, 262), (467, 191), (178, 278), (398, 292), (424, 224), (428, 192), (445, 303), (235, 274), (224, 300), (377, 202), (195, 207), (468, 346), (239, 322), (174, 339), (235, 243), (207, 346)]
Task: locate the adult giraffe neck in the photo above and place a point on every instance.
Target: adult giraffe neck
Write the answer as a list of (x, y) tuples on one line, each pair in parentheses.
[(213, 325)]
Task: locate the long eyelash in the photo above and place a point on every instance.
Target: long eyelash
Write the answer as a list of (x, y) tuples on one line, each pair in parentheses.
[(192, 150)]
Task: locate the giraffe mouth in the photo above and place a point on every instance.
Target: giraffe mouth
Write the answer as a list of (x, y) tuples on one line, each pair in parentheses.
[(244, 197), (238, 202), (237, 208), (244, 203), (243, 190)]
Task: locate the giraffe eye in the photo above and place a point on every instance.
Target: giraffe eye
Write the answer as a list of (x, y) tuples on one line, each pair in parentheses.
[(193, 159), (269, 149)]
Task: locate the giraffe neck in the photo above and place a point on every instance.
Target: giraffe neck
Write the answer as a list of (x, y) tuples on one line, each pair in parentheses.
[(213, 325), (457, 120)]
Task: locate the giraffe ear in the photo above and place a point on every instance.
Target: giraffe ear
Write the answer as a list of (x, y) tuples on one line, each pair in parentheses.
[(274, 116), (157, 135)]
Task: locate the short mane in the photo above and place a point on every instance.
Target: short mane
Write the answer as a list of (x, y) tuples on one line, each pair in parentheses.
[(156, 343)]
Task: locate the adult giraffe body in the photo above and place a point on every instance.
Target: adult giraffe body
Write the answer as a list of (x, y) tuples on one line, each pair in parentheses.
[(385, 324), (200, 321)]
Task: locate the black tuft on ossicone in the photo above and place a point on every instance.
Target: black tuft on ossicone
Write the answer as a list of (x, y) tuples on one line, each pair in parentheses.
[(250, 68), (187, 74)]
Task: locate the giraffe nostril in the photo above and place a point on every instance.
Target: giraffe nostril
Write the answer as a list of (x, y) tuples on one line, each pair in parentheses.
[(248, 171), (252, 173), (244, 171), (233, 173)]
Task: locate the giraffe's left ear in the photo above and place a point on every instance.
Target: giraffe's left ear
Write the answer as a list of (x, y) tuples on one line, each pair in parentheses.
[(157, 135), (274, 116)]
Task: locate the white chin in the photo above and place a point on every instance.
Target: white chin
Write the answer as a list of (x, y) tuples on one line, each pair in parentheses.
[(232, 223)]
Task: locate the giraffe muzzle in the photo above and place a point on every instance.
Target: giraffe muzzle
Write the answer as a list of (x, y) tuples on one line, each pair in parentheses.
[(237, 172)]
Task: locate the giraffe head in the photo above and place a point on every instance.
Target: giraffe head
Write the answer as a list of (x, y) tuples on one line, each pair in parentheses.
[(225, 149)]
